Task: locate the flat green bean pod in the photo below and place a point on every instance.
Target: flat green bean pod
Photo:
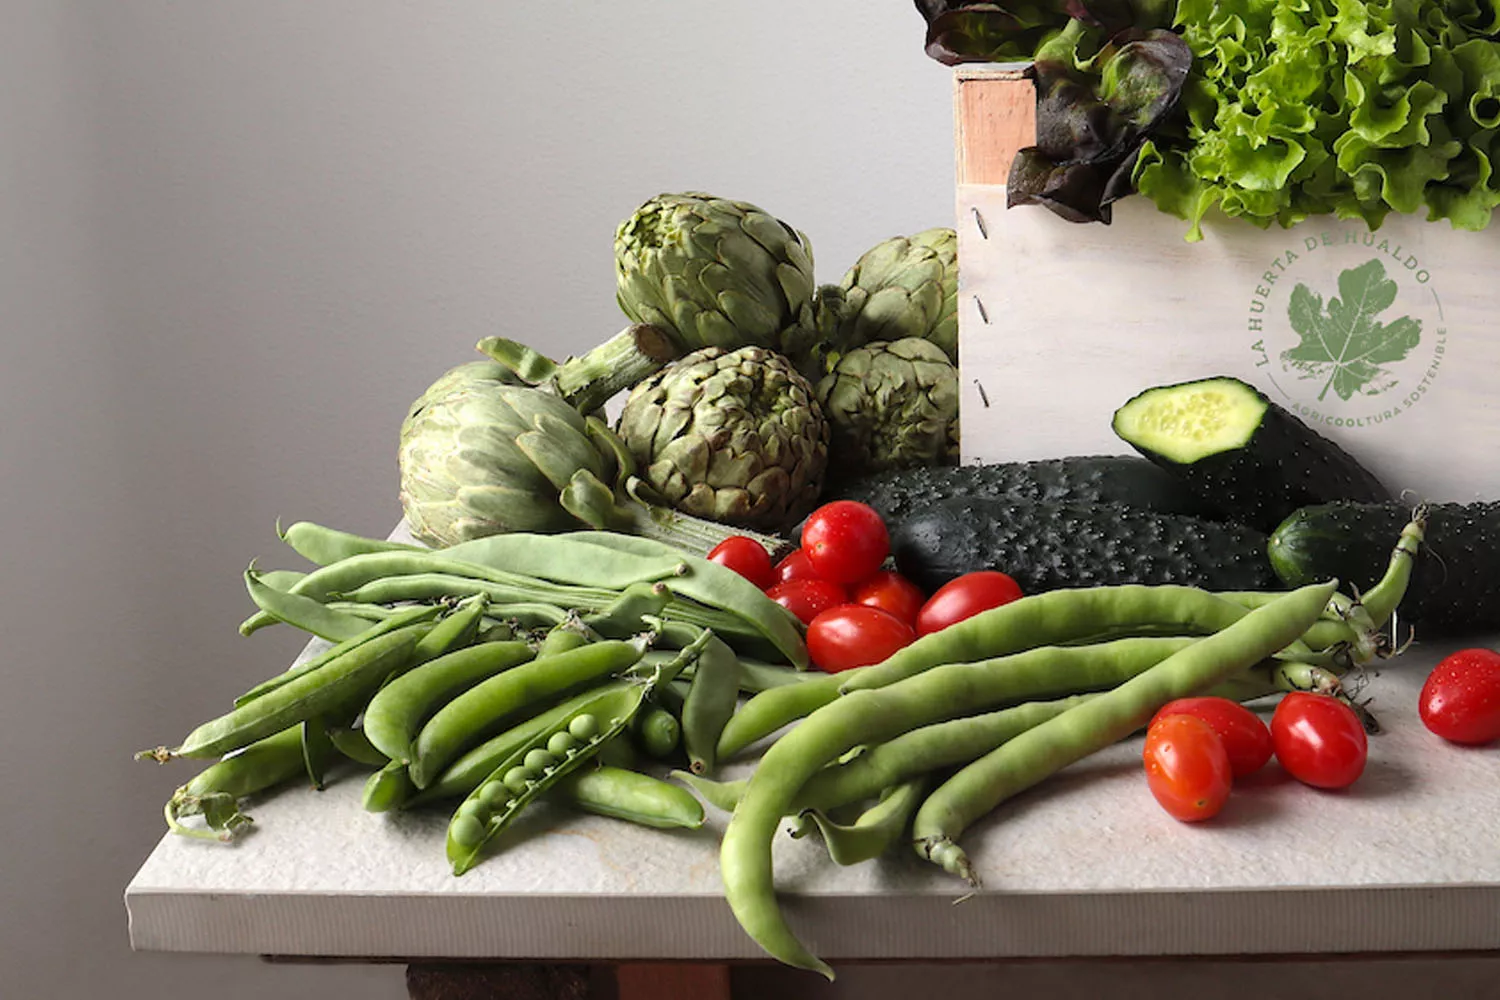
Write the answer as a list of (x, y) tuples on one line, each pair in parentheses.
[(877, 829), (324, 546), (331, 687), (1040, 752), (302, 612), (624, 616), (768, 711)]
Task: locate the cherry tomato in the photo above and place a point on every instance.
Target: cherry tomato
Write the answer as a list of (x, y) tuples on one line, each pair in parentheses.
[(1461, 698), (854, 635), (845, 541), (1319, 740), (796, 566), (891, 592), (745, 556), (808, 598), (965, 597), (1246, 738), (1187, 767)]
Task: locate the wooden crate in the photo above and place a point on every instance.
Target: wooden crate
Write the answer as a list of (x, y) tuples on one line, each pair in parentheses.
[(1061, 323)]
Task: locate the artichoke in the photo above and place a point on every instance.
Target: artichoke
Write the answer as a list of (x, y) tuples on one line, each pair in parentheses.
[(904, 287), (735, 436), (891, 405), (483, 453), (716, 273)]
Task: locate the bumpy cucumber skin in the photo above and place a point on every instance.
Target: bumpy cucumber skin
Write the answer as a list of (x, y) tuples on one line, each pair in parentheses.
[(1455, 586), (1285, 465), (1093, 478), (1049, 546)]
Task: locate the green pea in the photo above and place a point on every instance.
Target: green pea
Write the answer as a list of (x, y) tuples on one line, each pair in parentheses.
[(467, 830), (494, 794), (584, 727), (561, 742), (475, 808), (516, 779), (538, 760)]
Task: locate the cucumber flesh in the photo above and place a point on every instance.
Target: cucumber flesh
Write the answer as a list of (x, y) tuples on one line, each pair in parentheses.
[(1188, 424)]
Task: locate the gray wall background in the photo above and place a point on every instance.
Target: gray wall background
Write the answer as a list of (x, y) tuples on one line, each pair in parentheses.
[(236, 239)]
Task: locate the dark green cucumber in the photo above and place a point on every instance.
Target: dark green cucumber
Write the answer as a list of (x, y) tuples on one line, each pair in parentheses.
[(1455, 586), (1248, 457), (1048, 546), (1093, 478)]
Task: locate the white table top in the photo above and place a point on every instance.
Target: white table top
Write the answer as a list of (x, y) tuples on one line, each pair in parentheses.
[(1408, 859)]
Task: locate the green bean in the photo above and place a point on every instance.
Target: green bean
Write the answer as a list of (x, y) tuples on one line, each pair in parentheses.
[(281, 579), (566, 560), (622, 618), (302, 612), (768, 711), (369, 612), (215, 792), (388, 788), (474, 715), (324, 546), (352, 742), (1052, 618), (657, 732), (435, 586), (710, 701), (1382, 600), (318, 751), (336, 684), (630, 795), (464, 774), (455, 630), (408, 618), (395, 714), (876, 715), (723, 795), (491, 807), (877, 829), (757, 676), (1042, 751)]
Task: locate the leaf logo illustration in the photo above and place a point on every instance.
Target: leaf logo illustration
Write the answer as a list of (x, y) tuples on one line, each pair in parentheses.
[(1343, 345)]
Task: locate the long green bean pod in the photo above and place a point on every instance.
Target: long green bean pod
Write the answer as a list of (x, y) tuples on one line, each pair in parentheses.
[(878, 828), (215, 792), (324, 546), (1038, 753)]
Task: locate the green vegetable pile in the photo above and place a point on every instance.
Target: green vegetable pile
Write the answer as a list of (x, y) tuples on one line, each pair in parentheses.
[(1355, 108)]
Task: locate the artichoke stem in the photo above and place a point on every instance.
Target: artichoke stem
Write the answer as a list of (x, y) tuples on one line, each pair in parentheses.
[(691, 534), (629, 357)]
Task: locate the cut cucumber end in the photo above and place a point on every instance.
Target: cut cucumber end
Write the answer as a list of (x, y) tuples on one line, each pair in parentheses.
[(1188, 422)]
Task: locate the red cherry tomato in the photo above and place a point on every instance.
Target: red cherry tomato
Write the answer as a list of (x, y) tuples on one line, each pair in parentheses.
[(796, 566), (891, 592), (1187, 767), (808, 598), (1246, 738), (1461, 698), (854, 635), (1319, 740), (965, 597), (846, 541), (745, 556)]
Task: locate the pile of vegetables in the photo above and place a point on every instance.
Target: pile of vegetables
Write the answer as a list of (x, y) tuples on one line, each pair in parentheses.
[(1267, 110), (587, 603)]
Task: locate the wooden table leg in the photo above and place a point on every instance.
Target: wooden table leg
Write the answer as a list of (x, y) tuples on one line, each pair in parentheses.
[(672, 981), (511, 981)]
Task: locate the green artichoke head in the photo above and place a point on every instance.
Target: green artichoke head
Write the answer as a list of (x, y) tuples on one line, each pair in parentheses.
[(716, 273), (482, 453), (891, 405), (732, 436), (904, 287)]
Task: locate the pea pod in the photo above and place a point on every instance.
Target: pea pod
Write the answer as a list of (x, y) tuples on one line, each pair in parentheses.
[(877, 829), (331, 687), (630, 795), (302, 612), (768, 711), (323, 545), (407, 618), (215, 792), (395, 714), (534, 768), (711, 700), (388, 788), (353, 744), (569, 635), (1042, 751), (657, 732), (452, 631), (318, 751), (472, 716), (623, 617)]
